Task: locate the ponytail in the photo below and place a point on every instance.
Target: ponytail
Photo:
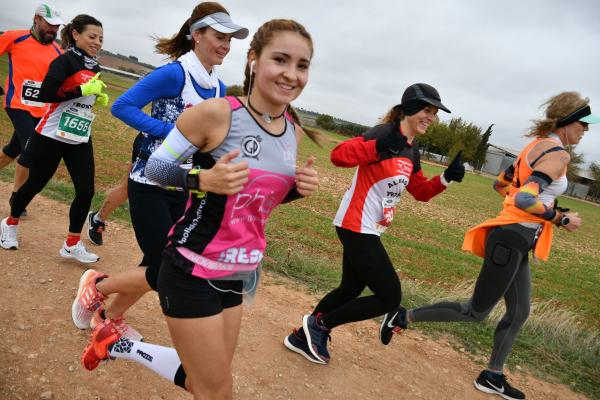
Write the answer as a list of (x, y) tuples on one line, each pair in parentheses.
[(315, 136), (78, 23)]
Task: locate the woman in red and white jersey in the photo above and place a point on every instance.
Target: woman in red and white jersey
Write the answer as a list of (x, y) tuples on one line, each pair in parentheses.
[(72, 87), (387, 157)]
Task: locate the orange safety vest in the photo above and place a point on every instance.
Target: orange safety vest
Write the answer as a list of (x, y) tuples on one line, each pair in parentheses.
[(475, 237)]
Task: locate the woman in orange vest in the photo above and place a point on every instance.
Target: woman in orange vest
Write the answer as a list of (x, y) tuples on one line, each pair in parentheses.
[(530, 186)]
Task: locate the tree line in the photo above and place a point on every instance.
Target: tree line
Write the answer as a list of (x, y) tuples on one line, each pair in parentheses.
[(446, 139)]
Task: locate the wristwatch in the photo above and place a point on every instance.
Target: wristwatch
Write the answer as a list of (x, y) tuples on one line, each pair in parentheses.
[(192, 180), (565, 220)]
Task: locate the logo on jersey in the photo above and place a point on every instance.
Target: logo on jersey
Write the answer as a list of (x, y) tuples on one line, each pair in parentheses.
[(251, 146), (404, 167)]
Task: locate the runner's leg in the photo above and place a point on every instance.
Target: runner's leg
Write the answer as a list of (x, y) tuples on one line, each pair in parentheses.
[(370, 264), (79, 160)]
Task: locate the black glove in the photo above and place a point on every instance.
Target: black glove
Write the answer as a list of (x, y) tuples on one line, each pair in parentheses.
[(393, 142), (456, 169)]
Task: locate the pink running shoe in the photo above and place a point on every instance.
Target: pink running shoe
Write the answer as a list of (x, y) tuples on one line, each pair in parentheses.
[(88, 299), (103, 336), (126, 330)]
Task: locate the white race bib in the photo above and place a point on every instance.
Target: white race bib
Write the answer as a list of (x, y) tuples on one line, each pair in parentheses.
[(76, 124), (30, 93)]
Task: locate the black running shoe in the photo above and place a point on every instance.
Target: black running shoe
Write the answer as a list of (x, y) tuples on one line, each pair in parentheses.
[(489, 382), (10, 202), (392, 323), (95, 229), (316, 337), (296, 342)]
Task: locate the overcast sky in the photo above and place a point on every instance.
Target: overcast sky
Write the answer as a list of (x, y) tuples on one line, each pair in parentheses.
[(491, 61)]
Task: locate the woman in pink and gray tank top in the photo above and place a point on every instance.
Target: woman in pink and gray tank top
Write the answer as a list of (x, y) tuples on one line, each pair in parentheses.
[(244, 152)]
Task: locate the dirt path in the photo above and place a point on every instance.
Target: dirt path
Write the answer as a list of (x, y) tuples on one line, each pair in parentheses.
[(40, 347)]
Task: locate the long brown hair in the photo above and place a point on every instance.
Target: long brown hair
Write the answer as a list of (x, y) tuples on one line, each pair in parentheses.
[(179, 44), (557, 107), (260, 40), (78, 23), (394, 114)]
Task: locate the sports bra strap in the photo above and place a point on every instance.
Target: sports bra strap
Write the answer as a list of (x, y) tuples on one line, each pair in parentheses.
[(550, 150), (234, 102)]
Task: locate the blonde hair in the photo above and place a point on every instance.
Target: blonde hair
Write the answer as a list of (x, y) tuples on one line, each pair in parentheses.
[(557, 107)]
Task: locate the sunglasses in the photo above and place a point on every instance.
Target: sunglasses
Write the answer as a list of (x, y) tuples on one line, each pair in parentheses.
[(584, 124)]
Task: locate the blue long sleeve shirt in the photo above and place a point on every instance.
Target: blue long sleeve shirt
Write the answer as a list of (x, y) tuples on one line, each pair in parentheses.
[(164, 82)]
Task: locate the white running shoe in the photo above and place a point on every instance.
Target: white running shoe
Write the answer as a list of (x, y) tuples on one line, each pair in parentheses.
[(78, 252), (8, 235)]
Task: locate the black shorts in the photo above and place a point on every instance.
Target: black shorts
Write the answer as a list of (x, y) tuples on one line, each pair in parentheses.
[(24, 125), (183, 295)]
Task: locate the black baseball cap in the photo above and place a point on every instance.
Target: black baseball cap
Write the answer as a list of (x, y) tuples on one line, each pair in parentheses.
[(423, 92)]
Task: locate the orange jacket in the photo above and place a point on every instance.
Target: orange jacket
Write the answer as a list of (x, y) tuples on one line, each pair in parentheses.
[(28, 60), (475, 237)]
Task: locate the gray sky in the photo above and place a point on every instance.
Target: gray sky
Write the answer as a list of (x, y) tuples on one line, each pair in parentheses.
[(491, 61)]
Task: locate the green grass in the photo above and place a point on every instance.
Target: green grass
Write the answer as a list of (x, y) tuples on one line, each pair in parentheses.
[(560, 341)]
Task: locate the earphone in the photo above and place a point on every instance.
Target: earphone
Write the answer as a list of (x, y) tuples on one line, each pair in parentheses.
[(252, 63)]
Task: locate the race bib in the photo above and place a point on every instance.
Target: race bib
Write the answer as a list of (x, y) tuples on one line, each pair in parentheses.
[(30, 93), (76, 125)]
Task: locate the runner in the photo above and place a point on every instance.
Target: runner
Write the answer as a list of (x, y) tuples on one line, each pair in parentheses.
[(29, 55), (530, 186), (154, 209), (388, 162), (246, 149), (73, 87)]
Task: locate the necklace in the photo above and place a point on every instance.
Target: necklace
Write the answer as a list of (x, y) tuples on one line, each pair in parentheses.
[(266, 117)]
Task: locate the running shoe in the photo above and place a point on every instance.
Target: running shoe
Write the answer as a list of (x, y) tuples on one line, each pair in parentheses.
[(78, 252), (489, 382), (88, 299), (8, 235), (316, 337), (95, 229), (126, 330), (392, 323), (103, 336), (296, 342)]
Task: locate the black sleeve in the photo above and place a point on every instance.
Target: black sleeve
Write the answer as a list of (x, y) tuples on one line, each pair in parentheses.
[(51, 91), (416, 157), (378, 131)]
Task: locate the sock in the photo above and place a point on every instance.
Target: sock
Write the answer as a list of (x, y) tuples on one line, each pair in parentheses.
[(494, 374), (96, 217), (72, 240), (162, 360), (12, 221)]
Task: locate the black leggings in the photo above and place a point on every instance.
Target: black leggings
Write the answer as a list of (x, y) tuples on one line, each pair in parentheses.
[(24, 124), (505, 273), (365, 264), (154, 211), (46, 154)]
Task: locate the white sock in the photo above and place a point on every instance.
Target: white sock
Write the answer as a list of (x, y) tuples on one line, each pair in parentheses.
[(162, 360), (96, 218)]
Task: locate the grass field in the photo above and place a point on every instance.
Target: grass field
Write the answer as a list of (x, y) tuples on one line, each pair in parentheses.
[(560, 341)]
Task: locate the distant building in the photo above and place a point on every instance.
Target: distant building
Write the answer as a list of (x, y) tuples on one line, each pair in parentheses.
[(497, 159)]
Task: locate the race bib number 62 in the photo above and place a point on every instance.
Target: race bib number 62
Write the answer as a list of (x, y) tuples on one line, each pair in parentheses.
[(30, 93)]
